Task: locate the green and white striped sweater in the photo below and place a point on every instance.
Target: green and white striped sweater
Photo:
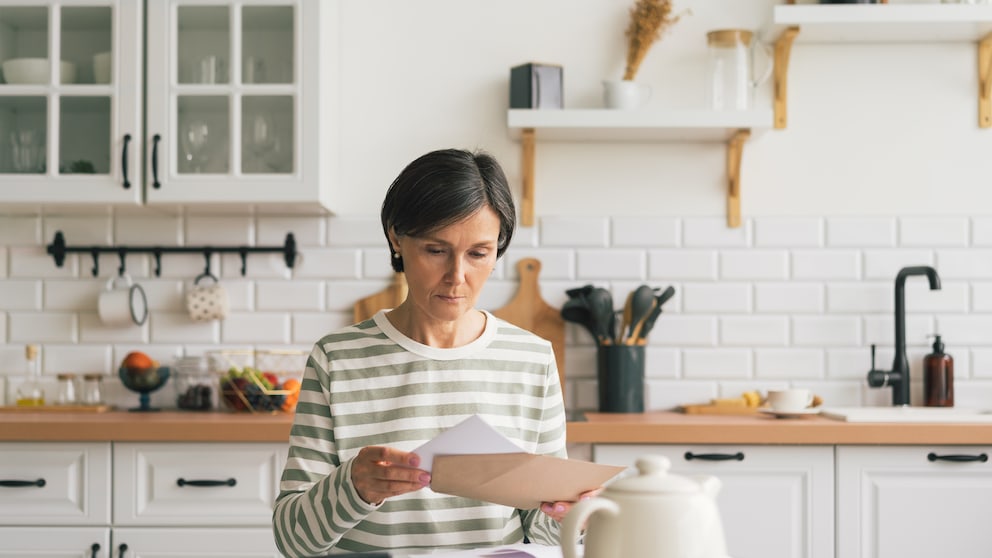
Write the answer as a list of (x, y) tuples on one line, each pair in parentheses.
[(368, 385)]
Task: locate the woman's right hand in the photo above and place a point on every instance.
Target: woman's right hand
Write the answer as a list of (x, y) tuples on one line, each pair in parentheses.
[(379, 472)]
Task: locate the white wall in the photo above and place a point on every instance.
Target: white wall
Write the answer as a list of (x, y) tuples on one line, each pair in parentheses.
[(882, 165)]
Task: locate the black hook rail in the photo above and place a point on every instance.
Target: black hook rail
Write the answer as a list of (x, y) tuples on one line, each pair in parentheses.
[(58, 250)]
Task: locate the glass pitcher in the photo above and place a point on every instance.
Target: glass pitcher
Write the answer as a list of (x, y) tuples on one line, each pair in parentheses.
[(731, 69)]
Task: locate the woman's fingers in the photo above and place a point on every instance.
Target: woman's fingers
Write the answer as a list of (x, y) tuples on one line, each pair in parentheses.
[(558, 510), (379, 472)]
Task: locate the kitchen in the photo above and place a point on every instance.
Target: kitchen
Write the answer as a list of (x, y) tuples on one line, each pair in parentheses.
[(880, 166)]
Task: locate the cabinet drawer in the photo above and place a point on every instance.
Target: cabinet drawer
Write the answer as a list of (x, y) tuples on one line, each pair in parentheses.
[(196, 484), (54, 484)]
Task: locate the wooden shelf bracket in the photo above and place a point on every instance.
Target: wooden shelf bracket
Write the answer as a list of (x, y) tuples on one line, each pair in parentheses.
[(527, 169), (735, 150), (783, 48), (985, 82)]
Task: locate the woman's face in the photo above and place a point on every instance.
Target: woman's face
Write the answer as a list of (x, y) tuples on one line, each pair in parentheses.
[(446, 269)]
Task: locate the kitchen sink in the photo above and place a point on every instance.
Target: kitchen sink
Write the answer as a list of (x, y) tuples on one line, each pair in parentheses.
[(907, 414)]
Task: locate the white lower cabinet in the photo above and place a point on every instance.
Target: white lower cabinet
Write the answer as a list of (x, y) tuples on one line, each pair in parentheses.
[(213, 542), (54, 542), (775, 501), (908, 501)]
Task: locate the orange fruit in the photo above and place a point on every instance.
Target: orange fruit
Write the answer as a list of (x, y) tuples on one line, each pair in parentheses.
[(293, 386), (138, 359)]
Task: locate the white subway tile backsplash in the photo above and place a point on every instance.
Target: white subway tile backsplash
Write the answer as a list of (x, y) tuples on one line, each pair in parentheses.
[(716, 364), (167, 327), (611, 264), (981, 296), (975, 329), (19, 230), (38, 327), (257, 327), (750, 331), (79, 231), (714, 233), (289, 295), (964, 264), (716, 297), (328, 263), (649, 232), (555, 264), (78, 359), (3, 262), (674, 265), (885, 264), (3, 331), (823, 265), (788, 363), (92, 330), (933, 231), (981, 231), (974, 393), (838, 394), (376, 264), (664, 395), (307, 230), (861, 231), (826, 331), (190, 266), (952, 296), (788, 298), (981, 364), (355, 231), (854, 363), (20, 294), (846, 298), (240, 294), (660, 363), (162, 295), (342, 295), (165, 230), (580, 360), (12, 361), (788, 232), (262, 266), (32, 262), (218, 230), (525, 237), (754, 264), (675, 330), (309, 327), (880, 329), (585, 395), (582, 232)]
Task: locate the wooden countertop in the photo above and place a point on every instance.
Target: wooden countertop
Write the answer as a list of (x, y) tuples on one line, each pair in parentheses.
[(598, 428)]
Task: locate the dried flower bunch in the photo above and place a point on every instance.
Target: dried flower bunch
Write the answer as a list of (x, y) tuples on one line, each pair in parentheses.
[(648, 19)]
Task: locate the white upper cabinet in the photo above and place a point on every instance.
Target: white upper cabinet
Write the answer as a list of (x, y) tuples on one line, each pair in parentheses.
[(216, 102)]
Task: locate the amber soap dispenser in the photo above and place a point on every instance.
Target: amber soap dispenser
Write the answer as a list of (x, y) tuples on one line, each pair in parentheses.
[(938, 377)]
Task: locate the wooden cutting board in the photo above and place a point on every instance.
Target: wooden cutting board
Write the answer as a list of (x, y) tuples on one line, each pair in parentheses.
[(390, 297), (529, 311)]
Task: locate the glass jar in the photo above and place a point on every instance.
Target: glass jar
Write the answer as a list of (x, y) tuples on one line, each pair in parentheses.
[(31, 393), (731, 69), (66, 394), (195, 386), (92, 392)]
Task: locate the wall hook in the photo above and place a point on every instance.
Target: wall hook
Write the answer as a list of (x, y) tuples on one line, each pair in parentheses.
[(96, 261), (157, 254), (122, 253), (244, 261), (206, 269)]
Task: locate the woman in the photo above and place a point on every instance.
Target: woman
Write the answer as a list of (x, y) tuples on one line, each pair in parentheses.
[(375, 391)]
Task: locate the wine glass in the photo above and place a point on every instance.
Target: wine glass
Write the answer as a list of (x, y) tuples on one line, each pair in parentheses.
[(260, 137), (194, 138)]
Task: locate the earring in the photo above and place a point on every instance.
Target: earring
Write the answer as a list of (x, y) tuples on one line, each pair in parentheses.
[(396, 255)]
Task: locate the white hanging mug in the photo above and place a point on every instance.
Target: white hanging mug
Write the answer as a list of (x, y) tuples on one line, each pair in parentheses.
[(207, 302), (122, 303)]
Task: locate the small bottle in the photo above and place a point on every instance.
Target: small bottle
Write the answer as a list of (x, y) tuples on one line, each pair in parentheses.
[(67, 389), (92, 389), (938, 377), (30, 393)]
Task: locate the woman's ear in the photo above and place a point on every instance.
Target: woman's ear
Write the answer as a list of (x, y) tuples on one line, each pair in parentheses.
[(394, 242)]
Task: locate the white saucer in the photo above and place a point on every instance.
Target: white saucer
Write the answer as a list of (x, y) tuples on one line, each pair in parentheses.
[(790, 414)]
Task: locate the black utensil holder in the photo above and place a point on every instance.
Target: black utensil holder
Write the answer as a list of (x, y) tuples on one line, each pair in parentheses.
[(620, 370)]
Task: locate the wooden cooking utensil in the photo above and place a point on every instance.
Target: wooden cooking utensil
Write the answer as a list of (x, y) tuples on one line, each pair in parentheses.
[(390, 297), (529, 311)]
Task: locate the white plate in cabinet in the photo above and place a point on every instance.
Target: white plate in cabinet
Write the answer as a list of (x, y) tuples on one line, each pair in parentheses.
[(775, 502), (54, 542), (900, 501), (196, 484), (54, 484)]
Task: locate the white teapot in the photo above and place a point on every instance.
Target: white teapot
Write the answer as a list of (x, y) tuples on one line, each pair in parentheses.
[(653, 514)]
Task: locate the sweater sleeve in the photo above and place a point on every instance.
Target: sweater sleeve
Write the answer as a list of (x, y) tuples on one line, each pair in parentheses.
[(317, 502)]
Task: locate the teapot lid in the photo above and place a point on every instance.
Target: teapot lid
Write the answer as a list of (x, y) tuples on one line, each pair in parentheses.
[(653, 478)]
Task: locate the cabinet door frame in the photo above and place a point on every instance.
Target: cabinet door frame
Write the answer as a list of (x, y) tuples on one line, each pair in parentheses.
[(54, 542)]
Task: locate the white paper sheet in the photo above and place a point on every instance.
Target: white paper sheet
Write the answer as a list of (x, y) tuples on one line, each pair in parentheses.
[(471, 436), (506, 551)]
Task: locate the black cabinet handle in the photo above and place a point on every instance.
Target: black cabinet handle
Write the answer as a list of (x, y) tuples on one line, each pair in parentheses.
[(228, 482), (18, 483), (981, 458), (155, 183), (739, 456), (121, 550), (127, 181), (94, 550)]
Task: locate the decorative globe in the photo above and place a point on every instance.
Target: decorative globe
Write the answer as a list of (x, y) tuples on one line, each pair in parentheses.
[(144, 381)]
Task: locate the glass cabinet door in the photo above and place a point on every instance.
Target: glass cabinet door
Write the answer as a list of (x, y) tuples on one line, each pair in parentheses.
[(65, 130), (223, 90)]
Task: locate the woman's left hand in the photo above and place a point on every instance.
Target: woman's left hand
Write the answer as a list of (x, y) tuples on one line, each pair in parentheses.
[(558, 510)]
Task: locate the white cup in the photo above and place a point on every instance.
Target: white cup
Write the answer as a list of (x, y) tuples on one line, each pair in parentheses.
[(206, 302), (101, 67), (789, 400), (625, 94), (122, 303), (210, 69)]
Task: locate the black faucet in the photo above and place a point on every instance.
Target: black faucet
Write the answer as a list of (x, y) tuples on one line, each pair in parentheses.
[(898, 377)]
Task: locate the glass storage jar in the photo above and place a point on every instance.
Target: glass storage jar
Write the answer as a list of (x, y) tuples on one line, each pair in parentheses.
[(196, 388), (66, 394), (92, 392)]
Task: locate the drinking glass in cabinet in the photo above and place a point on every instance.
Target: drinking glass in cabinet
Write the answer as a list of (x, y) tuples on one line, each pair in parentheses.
[(203, 134), (203, 44), (267, 134), (260, 143), (27, 150), (86, 40), (194, 136), (267, 44)]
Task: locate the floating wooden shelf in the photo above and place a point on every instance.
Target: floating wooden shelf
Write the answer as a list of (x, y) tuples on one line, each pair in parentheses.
[(607, 125)]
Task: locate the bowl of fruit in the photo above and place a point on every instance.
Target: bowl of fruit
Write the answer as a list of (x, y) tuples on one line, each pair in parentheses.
[(252, 390), (143, 375)]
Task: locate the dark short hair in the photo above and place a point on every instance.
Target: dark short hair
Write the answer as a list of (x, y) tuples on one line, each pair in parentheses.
[(442, 188)]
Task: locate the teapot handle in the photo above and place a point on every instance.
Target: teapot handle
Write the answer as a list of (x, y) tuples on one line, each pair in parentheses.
[(577, 517)]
